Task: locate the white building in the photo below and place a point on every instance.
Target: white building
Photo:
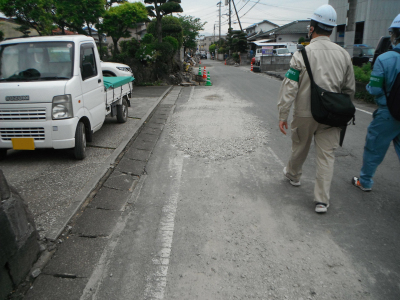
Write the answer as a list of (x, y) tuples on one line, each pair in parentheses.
[(372, 20), (259, 28), (204, 43)]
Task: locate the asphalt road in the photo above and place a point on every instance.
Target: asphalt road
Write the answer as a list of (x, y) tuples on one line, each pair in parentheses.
[(54, 184), (214, 218)]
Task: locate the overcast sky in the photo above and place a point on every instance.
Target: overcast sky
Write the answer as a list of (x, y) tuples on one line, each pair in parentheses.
[(250, 11)]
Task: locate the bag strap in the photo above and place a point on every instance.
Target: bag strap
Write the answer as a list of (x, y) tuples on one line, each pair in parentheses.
[(384, 85), (395, 50), (307, 63)]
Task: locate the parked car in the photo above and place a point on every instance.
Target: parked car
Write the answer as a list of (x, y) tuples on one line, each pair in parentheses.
[(54, 95), (203, 56), (362, 55), (112, 69), (384, 45)]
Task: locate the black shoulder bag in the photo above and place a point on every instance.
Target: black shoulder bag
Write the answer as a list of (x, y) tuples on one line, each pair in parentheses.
[(329, 108), (333, 109)]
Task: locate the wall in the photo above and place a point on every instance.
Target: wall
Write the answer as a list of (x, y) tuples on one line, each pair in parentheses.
[(10, 29), (377, 15), (289, 38), (274, 63)]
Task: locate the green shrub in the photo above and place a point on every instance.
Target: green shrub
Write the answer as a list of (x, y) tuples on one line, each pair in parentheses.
[(235, 57), (148, 38), (146, 53), (129, 48), (363, 74), (172, 41)]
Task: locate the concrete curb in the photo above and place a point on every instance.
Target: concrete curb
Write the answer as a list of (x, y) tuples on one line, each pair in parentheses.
[(60, 224)]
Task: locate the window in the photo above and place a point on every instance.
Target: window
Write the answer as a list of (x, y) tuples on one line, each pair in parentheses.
[(88, 62), (36, 61)]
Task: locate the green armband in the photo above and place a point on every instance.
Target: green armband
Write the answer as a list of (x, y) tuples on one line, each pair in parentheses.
[(293, 74), (376, 81)]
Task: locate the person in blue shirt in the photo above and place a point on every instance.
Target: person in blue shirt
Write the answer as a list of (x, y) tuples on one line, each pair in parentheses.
[(384, 128)]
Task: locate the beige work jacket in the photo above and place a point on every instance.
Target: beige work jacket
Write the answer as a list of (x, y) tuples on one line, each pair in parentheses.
[(332, 70)]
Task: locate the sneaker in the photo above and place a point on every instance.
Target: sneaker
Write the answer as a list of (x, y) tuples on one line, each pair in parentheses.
[(356, 182), (292, 182), (321, 207)]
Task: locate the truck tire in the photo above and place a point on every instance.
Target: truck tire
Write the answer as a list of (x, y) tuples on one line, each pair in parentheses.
[(122, 111), (3, 153), (80, 141)]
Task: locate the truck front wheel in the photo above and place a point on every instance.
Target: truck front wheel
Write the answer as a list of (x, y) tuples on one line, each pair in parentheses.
[(3, 153), (80, 141), (122, 111)]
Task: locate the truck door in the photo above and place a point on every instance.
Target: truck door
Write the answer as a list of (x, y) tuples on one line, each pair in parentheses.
[(92, 85)]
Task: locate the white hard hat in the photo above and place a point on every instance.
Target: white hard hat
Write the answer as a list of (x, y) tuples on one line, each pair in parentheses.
[(325, 14), (396, 22)]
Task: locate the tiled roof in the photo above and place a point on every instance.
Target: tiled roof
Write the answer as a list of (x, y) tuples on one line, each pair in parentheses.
[(295, 27), (264, 21)]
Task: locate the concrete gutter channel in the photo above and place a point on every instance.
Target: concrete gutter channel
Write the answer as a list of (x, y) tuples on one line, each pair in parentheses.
[(85, 230)]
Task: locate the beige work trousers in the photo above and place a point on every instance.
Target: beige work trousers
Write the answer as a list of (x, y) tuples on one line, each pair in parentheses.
[(326, 140)]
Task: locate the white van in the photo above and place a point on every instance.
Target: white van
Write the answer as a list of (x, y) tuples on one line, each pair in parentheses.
[(53, 94)]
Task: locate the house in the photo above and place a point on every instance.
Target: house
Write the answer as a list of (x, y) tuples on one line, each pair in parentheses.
[(10, 29), (290, 32), (95, 34), (372, 19), (259, 28)]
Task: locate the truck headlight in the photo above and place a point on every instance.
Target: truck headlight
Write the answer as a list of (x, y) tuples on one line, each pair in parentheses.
[(125, 69), (62, 107)]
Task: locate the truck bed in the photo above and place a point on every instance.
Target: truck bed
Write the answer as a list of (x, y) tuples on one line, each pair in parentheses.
[(117, 87)]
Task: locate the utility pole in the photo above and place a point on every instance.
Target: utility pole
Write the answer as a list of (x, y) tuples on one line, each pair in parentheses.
[(237, 15), (219, 4), (214, 33), (350, 27), (229, 13)]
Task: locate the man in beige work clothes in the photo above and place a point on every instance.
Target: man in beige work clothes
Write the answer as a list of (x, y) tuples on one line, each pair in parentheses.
[(333, 71)]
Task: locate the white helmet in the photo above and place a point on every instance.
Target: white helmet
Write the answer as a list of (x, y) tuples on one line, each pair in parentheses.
[(396, 22), (325, 14)]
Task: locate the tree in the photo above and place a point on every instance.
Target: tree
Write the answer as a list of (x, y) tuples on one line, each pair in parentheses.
[(170, 26), (161, 8), (119, 19), (37, 14), (77, 13), (236, 41), (301, 40), (191, 27)]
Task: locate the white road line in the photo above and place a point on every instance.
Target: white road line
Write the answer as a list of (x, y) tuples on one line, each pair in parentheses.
[(276, 157), (367, 112), (191, 94), (157, 281), (101, 270)]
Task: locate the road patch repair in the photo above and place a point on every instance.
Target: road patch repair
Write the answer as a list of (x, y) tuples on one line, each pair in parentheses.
[(64, 268)]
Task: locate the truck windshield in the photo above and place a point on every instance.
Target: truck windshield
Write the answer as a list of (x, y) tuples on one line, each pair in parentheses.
[(283, 51), (36, 61)]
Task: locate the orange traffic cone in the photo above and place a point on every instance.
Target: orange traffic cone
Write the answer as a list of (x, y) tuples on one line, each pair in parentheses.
[(204, 72), (200, 62), (251, 67)]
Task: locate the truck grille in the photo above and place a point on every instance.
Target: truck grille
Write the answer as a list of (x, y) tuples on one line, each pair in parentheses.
[(37, 133), (25, 114)]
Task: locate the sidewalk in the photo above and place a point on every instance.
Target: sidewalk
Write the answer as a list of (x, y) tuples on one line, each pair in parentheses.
[(83, 242)]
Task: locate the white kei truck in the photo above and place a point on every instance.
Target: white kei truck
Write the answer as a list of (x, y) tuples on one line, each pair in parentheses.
[(53, 94)]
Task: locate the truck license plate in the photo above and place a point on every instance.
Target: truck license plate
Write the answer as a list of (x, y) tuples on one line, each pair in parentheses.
[(23, 143)]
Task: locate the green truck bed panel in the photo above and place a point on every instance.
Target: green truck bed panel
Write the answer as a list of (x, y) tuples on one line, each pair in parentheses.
[(115, 82)]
